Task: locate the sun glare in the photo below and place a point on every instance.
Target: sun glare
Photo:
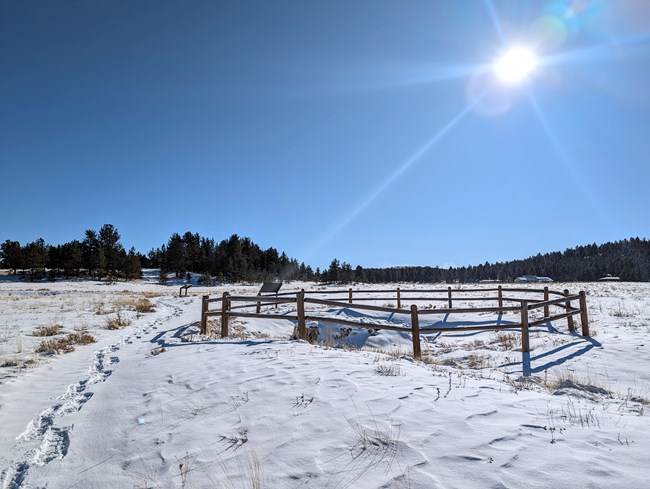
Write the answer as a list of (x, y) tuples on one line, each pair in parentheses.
[(515, 65)]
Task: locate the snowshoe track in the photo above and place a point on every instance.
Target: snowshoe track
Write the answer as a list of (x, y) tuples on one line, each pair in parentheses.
[(54, 440)]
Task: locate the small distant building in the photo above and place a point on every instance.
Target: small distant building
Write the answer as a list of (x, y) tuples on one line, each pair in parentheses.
[(609, 278), (529, 279)]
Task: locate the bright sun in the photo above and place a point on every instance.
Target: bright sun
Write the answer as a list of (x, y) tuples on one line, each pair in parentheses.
[(515, 65)]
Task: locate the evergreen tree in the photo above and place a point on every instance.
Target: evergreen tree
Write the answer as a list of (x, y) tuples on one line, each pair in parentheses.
[(11, 254), (109, 242), (162, 276), (333, 271), (131, 267), (94, 260), (36, 256)]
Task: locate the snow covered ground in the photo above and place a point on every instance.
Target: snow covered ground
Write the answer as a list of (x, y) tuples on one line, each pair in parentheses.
[(153, 404)]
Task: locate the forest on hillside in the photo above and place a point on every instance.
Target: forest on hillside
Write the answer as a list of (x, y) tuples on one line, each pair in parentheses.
[(101, 255), (628, 259)]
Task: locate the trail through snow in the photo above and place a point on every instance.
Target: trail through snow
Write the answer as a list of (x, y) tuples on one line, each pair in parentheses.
[(47, 438)]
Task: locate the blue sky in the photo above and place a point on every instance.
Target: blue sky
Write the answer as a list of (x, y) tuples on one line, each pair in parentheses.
[(371, 131)]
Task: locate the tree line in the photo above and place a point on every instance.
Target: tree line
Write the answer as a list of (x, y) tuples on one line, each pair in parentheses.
[(234, 259), (628, 259), (100, 254)]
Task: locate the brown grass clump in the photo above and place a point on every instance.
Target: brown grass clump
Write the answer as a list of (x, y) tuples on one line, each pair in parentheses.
[(477, 361), (100, 310), (144, 305), (52, 330), (54, 347), (117, 322), (81, 338), (65, 344), (507, 340), (10, 362)]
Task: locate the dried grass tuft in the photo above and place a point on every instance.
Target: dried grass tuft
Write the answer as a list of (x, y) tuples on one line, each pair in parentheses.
[(117, 321), (52, 330)]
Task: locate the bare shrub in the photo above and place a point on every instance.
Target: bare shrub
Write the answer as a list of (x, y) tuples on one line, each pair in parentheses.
[(10, 362), (66, 344), (476, 344), (52, 330), (477, 361), (117, 322), (507, 340), (312, 334), (54, 347), (388, 369), (100, 309), (144, 306), (81, 338)]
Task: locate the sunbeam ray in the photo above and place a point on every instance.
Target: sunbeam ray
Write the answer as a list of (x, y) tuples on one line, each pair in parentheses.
[(422, 76), (356, 210), (562, 153), (599, 51), (495, 20)]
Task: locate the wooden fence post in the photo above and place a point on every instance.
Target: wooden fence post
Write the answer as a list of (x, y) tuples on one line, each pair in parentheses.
[(350, 295), (415, 331), (500, 297), (569, 319), (399, 298), (300, 310), (547, 312), (204, 317), (584, 320), (449, 297), (225, 307), (525, 340), (258, 309)]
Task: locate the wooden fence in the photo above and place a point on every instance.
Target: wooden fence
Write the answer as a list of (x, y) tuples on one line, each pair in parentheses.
[(531, 300)]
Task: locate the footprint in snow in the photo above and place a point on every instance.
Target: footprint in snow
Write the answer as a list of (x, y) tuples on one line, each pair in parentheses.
[(54, 446), (13, 477), (38, 427), (75, 403)]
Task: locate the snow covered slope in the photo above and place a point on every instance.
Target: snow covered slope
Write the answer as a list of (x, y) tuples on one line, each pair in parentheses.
[(155, 405)]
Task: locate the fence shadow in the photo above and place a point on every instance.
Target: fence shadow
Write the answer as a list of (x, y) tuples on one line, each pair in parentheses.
[(181, 333), (527, 359)]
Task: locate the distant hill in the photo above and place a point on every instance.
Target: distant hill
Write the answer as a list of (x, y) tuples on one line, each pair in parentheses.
[(628, 259), (101, 254)]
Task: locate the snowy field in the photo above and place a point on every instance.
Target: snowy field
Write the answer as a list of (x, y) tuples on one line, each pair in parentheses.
[(153, 404)]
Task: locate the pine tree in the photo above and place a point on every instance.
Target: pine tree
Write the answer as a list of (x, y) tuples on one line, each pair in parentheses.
[(12, 255), (109, 242), (162, 276), (131, 267), (36, 256)]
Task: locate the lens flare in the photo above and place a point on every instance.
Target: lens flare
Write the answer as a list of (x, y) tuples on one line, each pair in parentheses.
[(515, 65)]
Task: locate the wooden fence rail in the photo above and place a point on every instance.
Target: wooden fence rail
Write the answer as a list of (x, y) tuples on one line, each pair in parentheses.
[(525, 305)]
